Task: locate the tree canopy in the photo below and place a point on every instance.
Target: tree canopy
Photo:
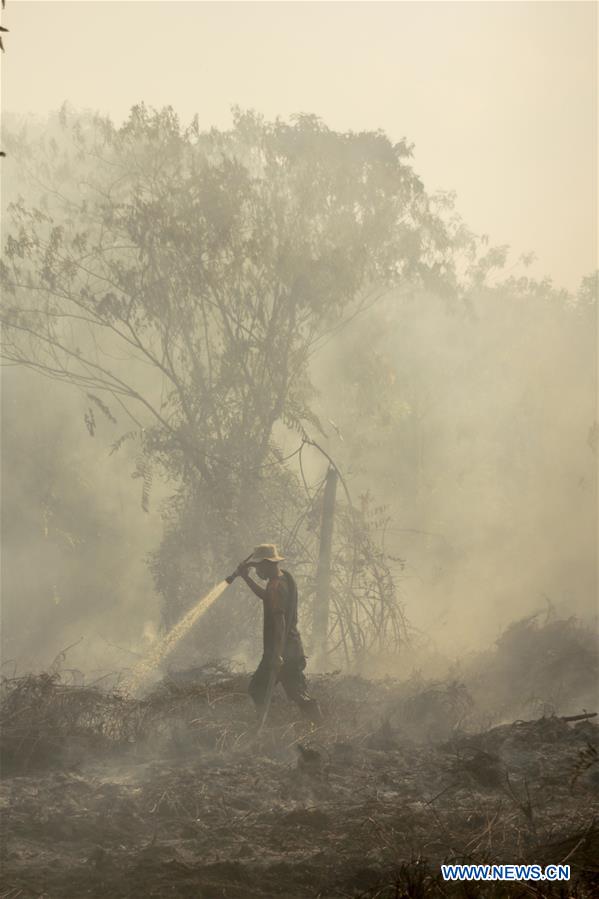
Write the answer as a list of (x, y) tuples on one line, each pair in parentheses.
[(183, 279)]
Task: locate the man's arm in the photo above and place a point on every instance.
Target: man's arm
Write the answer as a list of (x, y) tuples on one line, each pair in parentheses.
[(244, 572)]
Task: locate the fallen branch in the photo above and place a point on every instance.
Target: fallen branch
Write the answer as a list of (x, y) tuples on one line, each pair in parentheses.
[(583, 717)]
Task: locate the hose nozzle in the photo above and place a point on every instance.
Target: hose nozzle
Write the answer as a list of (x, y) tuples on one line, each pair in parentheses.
[(232, 577)]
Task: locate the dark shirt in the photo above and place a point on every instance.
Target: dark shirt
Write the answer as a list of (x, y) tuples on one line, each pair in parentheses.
[(281, 599)]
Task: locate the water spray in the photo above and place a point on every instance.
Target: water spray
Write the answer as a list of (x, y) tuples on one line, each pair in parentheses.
[(163, 647)]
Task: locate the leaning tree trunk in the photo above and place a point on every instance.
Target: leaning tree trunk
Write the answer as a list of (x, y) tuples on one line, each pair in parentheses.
[(323, 571)]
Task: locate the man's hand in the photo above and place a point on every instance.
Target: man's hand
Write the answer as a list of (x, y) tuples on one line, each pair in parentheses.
[(242, 570)]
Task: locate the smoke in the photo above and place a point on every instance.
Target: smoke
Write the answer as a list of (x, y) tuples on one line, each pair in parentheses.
[(474, 426), (74, 536)]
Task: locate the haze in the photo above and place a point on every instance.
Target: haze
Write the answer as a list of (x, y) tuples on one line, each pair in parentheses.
[(489, 406), (498, 98)]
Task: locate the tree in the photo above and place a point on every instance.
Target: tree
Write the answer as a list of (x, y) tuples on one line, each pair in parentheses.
[(185, 279)]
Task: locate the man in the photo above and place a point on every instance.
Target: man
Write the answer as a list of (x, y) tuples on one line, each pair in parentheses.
[(283, 649)]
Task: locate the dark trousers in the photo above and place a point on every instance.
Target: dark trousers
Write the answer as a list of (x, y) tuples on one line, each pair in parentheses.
[(291, 676)]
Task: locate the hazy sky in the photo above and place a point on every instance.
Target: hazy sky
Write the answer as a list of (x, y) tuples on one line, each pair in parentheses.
[(500, 99)]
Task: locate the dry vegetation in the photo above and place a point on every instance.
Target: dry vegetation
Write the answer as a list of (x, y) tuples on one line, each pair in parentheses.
[(172, 794)]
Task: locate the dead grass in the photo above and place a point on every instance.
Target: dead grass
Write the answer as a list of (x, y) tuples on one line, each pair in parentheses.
[(172, 795)]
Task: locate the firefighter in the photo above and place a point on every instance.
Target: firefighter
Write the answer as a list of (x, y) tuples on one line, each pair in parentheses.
[(283, 658)]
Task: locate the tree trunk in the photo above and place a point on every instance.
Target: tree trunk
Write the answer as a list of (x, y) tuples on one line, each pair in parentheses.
[(323, 572)]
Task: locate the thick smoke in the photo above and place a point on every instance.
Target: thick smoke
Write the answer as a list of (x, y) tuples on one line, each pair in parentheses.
[(74, 535), (473, 425), (476, 427)]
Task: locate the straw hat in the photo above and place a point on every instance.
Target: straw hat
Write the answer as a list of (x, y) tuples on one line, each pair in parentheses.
[(266, 552)]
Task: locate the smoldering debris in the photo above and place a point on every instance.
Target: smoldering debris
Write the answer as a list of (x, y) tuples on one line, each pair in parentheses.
[(541, 665), (173, 793), (46, 723), (244, 821)]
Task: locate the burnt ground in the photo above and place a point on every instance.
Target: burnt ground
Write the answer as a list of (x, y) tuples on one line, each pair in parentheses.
[(175, 796)]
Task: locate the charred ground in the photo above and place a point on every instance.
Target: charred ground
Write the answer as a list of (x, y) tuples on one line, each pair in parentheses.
[(173, 795)]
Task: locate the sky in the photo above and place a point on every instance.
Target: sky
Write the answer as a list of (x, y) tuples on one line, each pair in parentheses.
[(498, 98)]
